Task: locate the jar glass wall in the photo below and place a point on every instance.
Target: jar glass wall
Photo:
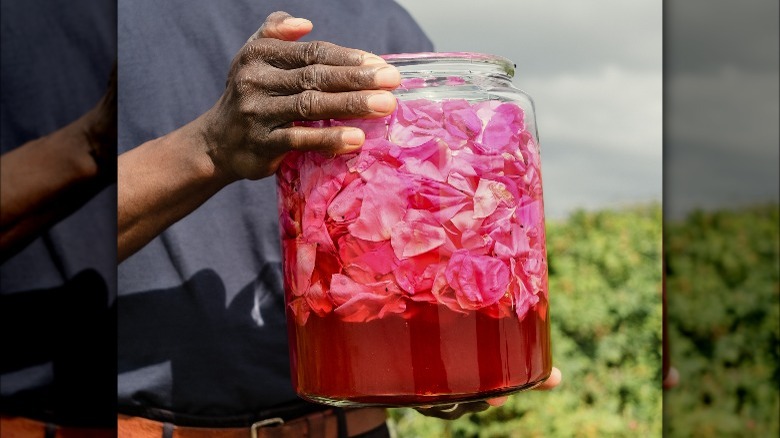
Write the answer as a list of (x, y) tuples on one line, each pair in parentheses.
[(415, 269)]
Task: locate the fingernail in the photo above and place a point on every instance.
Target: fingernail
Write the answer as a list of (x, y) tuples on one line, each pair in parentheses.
[(388, 77), (295, 22), (371, 59), (381, 102), (353, 137)]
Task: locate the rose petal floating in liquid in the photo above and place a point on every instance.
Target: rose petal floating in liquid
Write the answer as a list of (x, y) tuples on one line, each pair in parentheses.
[(442, 204)]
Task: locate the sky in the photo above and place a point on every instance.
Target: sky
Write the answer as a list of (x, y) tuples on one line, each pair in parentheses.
[(721, 94), (594, 71), (637, 100)]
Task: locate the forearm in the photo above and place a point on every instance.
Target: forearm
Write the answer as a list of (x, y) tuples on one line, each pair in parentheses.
[(273, 82), (44, 181), (160, 182)]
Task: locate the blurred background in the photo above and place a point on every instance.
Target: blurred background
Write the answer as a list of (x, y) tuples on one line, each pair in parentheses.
[(635, 102), (722, 227), (721, 96), (594, 70)]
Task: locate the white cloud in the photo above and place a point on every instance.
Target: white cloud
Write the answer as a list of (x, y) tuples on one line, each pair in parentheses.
[(601, 138), (606, 111)]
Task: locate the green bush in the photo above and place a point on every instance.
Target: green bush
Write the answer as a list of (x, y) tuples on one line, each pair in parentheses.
[(605, 292), (722, 294)]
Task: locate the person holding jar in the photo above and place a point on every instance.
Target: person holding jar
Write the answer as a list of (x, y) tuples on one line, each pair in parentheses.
[(202, 337)]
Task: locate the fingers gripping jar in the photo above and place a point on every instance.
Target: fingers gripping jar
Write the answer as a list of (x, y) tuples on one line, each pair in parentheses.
[(415, 269)]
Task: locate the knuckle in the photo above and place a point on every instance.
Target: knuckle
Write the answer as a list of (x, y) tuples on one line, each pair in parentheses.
[(313, 51), (306, 104), (245, 107), (250, 52), (244, 78), (311, 77), (243, 85), (259, 50)]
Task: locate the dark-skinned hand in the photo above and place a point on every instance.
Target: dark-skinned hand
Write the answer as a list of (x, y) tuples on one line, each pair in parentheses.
[(275, 81)]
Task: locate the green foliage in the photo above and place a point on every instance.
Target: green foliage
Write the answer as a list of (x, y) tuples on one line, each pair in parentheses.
[(722, 294), (605, 291)]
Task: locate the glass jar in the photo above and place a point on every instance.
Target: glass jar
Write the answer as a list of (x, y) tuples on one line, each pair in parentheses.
[(415, 269)]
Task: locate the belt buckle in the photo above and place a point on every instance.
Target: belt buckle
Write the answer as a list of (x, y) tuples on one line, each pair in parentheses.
[(276, 421)]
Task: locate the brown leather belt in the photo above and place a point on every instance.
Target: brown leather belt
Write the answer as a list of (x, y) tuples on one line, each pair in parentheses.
[(20, 427), (316, 425)]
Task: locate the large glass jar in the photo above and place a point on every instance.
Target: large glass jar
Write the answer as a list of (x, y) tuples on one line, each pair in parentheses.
[(416, 270)]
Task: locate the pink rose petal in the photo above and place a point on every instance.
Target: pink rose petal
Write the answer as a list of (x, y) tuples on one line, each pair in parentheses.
[(510, 242), (365, 260), (384, 205), (416, 274), (488, 196), (524, 297), (445, 294), (442, 200), (300, 310), (418, 233), (359, 303), (317, 300), (346, 205), (477, 280), (305, 255)]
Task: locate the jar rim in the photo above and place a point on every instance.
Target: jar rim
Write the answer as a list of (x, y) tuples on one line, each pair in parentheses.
[(503, 63)]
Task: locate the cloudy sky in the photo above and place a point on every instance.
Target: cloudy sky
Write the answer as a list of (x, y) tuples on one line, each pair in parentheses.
[(594, 70), (721, 92)]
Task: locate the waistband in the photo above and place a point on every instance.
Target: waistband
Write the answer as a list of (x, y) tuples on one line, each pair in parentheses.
[(286, 411), (22, 427), (331, 423)]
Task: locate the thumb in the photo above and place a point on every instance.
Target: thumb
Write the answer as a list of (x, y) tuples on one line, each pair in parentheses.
[(282, 26)]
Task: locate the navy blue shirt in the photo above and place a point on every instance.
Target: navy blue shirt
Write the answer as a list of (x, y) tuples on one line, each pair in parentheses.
[(201, 308), (57, 333)]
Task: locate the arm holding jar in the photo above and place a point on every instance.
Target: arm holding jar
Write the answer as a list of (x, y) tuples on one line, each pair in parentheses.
[(273, 81)]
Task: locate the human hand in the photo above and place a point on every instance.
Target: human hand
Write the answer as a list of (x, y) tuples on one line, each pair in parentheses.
[(274, 81), (457, 410)]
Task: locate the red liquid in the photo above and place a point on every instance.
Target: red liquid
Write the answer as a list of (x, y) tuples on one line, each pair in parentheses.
[(435, 356)]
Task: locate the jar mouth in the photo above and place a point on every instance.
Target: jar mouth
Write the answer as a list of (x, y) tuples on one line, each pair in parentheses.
[(425, 60)]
